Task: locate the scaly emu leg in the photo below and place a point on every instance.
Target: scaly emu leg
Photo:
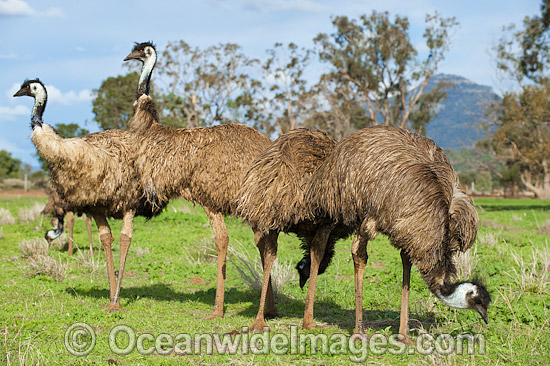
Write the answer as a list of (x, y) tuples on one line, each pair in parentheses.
[(359, 255), (267, 246), (221, 239), (317, 251), (89, 227), (405, 289), (70, 225), (125, 240), (270, 309), (106, 239)]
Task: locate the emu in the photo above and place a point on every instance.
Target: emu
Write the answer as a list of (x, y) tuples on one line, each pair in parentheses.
[(96, 175), (58, 208), (385, 179), (272, 200), (202, 165)]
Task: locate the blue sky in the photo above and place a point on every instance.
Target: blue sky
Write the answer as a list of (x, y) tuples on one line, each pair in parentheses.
[(72, 46)]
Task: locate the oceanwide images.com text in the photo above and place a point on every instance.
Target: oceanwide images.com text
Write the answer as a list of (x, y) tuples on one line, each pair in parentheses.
[(80, 340)]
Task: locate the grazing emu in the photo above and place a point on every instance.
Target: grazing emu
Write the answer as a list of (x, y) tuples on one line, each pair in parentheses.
[(272, 200), (202, 165), (58, 209), (385, 179), (94, 174)]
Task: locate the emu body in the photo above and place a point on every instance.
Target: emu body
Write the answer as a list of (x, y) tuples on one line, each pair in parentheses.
[(202, 165), (272, 200), (385, 179), (96, 175)]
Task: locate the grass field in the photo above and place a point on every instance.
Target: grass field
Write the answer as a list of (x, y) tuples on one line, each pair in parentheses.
[(169, 288)]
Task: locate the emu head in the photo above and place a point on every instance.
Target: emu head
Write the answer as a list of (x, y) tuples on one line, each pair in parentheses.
[(146, 53), (142, 52), (303, 267), (467, 295), (34, 88), (54, 234)]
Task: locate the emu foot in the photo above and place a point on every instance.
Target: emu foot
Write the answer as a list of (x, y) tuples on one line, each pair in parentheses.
[(308, 324), (257, 326), (111, 308), (214, 315), (405, 339)]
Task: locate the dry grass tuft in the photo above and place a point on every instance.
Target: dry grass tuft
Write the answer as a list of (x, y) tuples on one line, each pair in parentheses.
[(544, 229), (61, 242), (252, 272), (466, 262), (31, 248), (140, 252), (488, 239), (533, 276), (201, 251), (5, 217), (84, 259), (47, 266), (29, 214)]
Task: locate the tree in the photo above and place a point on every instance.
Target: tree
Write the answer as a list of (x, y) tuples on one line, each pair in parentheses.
[(10, 167), (522, 118), (112, 104), (377, 59), (523, 136), (283, 92), (205, 87), (66, 131), (334, 109)]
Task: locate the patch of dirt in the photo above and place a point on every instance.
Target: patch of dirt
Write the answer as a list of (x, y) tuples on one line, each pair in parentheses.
[(18, 193), (197, 281)]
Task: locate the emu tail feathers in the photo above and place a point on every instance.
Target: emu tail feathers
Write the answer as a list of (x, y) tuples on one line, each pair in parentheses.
[(463, 221)]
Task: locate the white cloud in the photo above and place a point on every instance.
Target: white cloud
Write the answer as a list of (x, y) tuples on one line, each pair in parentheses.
[(7, 56), (71, 97), (20, 7), (9, 113), (265, 6)]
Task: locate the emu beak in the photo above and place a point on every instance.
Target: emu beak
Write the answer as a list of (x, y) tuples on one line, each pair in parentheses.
[(483, 312), (20, 93), (134, 55), (303, 280)]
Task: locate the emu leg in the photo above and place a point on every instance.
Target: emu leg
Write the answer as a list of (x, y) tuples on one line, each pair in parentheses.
[(89, 227), (107, 240), (125, 240), (70, 225), (221, 238), (404, 319), (268, 249), (270, 309), (359, 255), (317, 251)]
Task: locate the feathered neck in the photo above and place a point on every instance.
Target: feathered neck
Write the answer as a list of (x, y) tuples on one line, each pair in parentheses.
[(40, 100), (146, 71), (457, 298)]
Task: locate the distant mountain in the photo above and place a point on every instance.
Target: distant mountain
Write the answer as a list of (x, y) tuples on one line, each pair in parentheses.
[(457, 124)]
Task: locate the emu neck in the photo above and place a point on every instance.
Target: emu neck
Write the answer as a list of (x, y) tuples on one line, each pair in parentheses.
[(457, 298), (38, 109), (145, 77)]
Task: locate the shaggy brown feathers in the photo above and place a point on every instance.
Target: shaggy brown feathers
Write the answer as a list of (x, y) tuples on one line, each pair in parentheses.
[(403, 186), (203, 165), (272, 192)]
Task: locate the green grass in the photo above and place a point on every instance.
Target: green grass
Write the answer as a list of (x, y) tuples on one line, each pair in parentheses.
[(164, 291)]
